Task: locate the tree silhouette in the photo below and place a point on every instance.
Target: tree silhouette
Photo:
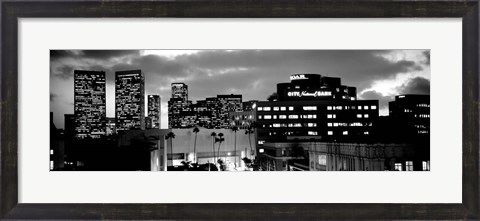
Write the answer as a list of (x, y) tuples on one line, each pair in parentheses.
[(195, 130), (220, 139), (170, 136), (214, 135), (235, 129), (248, 131)]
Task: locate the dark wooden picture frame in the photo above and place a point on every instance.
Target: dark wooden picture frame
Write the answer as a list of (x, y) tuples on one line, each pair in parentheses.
[(469, 209)]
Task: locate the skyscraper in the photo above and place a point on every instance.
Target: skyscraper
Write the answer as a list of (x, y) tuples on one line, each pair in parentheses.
[(129, 100), (180, 90), (154, 110), (89, 103), (180, 114)]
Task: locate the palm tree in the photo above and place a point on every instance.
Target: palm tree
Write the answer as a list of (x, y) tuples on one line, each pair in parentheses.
[(195, 130), (219, 140), (213, 134), (235, 129), (170, 136), (248, 131)]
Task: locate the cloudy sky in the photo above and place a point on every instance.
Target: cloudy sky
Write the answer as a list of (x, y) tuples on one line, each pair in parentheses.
[(377, 75)]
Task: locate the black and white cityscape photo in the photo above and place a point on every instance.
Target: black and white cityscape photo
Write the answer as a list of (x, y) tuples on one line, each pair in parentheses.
[(240, 110)]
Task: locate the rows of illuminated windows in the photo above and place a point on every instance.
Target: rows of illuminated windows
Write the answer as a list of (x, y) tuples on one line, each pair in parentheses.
[(294, 125), (313, 108), (423, 105), (290, 116), (422, 115), (359, 107), (353, 124), (304, 116)]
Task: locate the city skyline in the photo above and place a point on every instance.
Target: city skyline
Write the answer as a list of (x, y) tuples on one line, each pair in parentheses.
[(378, 75)]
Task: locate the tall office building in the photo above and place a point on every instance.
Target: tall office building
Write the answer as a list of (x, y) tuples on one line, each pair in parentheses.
[(180, 113), (129, 100), (154, 112), (89, 103), (228, 103), (180, 90)]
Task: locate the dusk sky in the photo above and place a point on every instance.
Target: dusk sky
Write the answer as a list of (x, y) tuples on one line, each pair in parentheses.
[(378, 75)]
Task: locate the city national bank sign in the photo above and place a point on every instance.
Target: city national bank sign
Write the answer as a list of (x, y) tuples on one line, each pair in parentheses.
[(309, 94)]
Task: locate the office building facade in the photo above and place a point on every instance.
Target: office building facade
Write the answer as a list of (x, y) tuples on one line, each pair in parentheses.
[(129, 100), (89, 103), (315, 107), (154, 111)]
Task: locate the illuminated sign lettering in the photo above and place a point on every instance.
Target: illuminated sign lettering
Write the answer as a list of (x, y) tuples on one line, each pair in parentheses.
[(298, 77), (309, 94)]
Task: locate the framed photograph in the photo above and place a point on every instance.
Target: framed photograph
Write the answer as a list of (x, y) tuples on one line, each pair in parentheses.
[(228, 110)]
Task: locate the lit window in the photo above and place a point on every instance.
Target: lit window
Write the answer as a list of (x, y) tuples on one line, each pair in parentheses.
[(331, 116), (339, 107), (365, 116), (330, 132), (276, 108), (274, 116), (290, 108), (260, 108), (409, 165), (267, 108), (309, 107), (335, 124), (345, 132), (51, 165), (282, 116), (365, 133), (51, 152), (329, 124), (283, 108), (359, 116), (398, 166), (311, 124), (365, 107), (322, 159), (276, 125), (261, 150), (329, 107), (373, 107), (293, 116), (267, 117), (261, 142), (359, 107), (312, 133), (426, 165)]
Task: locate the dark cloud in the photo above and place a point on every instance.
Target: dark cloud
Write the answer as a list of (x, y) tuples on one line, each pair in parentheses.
[(92, 54), (416, 85), (427, 57), (61, 71), (53, 96)]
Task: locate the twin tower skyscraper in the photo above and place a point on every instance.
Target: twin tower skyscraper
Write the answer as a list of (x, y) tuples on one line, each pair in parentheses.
[(90, 103)]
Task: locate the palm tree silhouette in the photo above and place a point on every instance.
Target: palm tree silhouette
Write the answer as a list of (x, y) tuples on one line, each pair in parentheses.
[(248, 131), (235, 129), (195, 130), (220, 139), (214, 135), (170, 136)]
